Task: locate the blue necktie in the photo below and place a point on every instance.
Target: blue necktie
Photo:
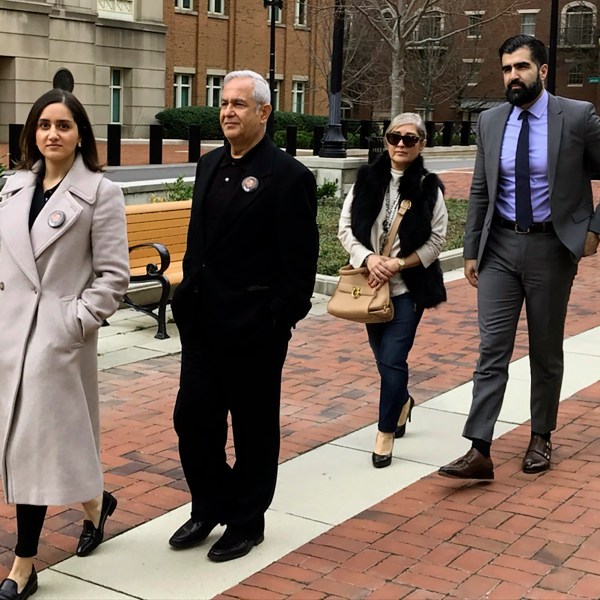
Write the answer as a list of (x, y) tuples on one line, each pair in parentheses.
[(524, 212)]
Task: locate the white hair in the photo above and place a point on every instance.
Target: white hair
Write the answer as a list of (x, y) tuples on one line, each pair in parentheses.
[(261, 93), (408, 118)]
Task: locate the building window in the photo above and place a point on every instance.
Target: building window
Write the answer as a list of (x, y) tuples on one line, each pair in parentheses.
[(579, 23), (277, 10), (472, 69), (300, 13), (575, 74), (276, 95), (116, 95), (182, 90), (214, 84), (116, 9), (216, 7), (430, 26), (184, 4), (475, 18), (528, 23), (298, 93)]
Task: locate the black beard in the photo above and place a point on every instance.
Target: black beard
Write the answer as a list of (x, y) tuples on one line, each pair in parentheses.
[(524, 94)]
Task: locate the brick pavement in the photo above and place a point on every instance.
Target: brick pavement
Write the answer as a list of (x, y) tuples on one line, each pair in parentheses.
[(435, 535)]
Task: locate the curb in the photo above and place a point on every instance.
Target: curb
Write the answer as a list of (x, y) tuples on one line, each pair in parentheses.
[(449, 260)]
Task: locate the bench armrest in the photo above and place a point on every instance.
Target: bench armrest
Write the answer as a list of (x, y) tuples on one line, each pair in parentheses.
[(152, 269)]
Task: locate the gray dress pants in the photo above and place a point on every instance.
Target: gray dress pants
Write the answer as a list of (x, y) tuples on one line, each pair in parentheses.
[(536, 268)]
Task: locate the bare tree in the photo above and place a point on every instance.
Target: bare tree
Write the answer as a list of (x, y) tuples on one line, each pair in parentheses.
[(400, 25)]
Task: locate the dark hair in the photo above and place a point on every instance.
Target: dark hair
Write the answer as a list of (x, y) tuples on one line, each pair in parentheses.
[(30, 153), (538, 50)]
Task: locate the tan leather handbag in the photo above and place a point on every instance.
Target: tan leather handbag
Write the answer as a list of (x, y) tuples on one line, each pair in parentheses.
[(353, 298)]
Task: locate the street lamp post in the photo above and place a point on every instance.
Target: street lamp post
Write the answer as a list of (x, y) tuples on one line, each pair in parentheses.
[(553, 45), (274, 4), (334, 142)]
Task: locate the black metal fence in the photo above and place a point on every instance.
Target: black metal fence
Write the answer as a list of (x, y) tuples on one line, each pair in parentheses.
[(360, 134)]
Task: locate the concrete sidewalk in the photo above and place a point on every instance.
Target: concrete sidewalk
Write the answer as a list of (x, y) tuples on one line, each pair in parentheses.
[(339, 528)]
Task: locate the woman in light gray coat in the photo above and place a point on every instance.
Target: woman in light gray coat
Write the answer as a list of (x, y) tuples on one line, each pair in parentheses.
[(63, 270)]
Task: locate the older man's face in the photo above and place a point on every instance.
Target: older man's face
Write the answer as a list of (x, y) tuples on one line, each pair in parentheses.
[(243, 123)]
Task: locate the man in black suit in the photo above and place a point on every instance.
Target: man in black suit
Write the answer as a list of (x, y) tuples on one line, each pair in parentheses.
[(248, 276)]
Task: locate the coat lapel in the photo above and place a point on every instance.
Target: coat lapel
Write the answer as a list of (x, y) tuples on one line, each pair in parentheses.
[(64, 207), (14, 222), (493, 149), (555, 125)]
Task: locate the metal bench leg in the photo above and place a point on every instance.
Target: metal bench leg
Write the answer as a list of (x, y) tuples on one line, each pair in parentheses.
[(161, 333)]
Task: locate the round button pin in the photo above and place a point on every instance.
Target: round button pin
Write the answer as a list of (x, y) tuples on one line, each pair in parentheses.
[(249, 184), (56, 219)]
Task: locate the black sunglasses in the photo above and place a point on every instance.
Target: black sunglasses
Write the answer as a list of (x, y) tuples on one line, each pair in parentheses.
[(408, 140)]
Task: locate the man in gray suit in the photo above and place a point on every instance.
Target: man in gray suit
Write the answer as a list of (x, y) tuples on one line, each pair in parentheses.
[(530, 219)]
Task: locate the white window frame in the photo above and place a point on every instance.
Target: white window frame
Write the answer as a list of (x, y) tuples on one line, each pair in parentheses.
[(123, 10), (179, 85), (116, 88), (184, 4), (299, 95), (565, 17), (214, 83), (278, 20), (216, 7), (418, 34), (471, 14), (575, 68), (301, 13), (528, 13), (475, 72)]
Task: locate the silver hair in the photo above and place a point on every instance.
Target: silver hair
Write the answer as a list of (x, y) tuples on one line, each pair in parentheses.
[(406, 119), (261, 93)]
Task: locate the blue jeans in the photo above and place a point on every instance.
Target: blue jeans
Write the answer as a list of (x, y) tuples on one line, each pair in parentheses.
[(391, 342)]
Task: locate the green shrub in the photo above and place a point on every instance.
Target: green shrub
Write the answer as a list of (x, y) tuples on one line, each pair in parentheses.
[(178, 190), (327, 190), (176, 122)]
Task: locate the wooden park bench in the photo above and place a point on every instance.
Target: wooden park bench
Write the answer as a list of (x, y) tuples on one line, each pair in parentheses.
[(157, 237)]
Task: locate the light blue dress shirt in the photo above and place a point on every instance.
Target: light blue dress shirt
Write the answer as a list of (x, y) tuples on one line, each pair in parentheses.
[(538, 162)]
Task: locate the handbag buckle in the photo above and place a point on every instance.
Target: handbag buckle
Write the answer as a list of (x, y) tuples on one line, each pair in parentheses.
[(356, 290)]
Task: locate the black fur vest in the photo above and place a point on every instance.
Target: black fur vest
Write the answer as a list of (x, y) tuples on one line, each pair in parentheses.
[(426, 285)]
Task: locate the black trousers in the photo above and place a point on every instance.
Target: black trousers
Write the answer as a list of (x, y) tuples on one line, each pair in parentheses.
[(246, 384), (30, 520)]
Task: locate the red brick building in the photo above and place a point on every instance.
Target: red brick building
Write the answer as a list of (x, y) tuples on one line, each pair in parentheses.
[(208, 38), (472, 80)]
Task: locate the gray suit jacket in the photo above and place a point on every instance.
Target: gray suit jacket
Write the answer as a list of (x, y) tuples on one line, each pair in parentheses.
[(573, 154)]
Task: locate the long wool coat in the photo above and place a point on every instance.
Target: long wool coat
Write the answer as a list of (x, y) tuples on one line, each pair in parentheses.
[(57, 285)]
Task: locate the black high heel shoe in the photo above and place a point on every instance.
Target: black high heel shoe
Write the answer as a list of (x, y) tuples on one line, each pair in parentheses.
[(8, 588), (91, 537), (405, 415), (382, 460)]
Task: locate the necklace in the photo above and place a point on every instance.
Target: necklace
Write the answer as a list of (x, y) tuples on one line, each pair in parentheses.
[(391, 208)]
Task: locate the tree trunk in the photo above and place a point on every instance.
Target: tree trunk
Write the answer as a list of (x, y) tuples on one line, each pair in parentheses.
[(397, 80)]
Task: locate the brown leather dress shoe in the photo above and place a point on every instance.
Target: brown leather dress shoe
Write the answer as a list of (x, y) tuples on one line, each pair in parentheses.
[(473, 465), (538, 455)]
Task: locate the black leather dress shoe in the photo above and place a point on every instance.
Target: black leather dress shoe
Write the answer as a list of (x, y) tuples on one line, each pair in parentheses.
[(91, 537), (473, 465), (192, 533), (538, 455), (8, 588), (233, 545)]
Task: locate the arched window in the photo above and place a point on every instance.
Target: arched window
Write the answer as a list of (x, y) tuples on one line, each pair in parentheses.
[(579, 23)]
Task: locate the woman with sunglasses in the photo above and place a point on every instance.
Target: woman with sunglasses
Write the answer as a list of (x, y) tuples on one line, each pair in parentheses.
[(64, 267), (412, 269)]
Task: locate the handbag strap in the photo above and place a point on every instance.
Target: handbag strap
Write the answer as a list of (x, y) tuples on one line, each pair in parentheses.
[(404, 206)]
